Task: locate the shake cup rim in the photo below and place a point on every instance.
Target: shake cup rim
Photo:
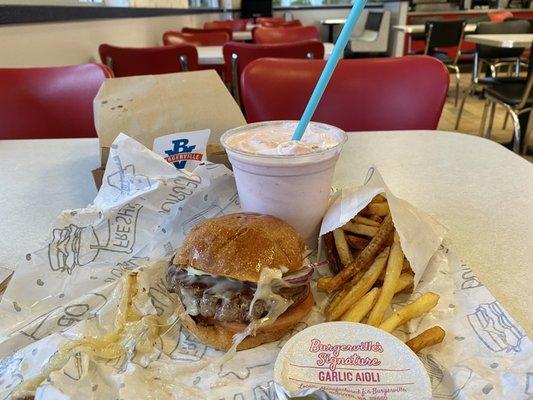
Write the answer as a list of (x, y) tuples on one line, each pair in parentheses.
[(227, 134)]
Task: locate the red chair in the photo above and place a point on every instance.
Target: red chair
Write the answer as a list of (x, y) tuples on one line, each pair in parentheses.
[(127, 61), (199, 30), (237, 55), (500, 16), (233, 24), (285, 35), (363, 95), (261, 20), (42, 103), (213, 38), (282, 24)]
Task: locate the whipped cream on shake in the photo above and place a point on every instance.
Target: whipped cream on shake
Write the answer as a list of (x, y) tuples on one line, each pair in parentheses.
[(276, 139), (288, 179)]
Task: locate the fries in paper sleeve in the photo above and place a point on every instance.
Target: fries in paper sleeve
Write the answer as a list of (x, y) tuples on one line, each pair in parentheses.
[(371, 265)]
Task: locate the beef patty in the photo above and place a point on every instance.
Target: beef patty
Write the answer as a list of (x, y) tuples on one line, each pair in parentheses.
[(223, 299)]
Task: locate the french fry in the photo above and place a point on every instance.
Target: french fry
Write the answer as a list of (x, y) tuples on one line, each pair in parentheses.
[(379, 199), (412, 310), (331, 253), (337, 297), (361, 229), (427, 338), (356, 253), (405, 281), (342, 247), (357, 242), (376, 218), (361, 287), (360, 309), (334, 301), (330, 284), (365, 221), (380, 209), (393, 271), (406, 265)]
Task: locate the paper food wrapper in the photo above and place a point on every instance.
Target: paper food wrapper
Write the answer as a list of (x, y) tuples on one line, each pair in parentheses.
[(420, 234), (70, 288), (151, 106)]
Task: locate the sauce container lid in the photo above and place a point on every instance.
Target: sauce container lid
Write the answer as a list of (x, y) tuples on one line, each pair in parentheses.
[(350, 361)]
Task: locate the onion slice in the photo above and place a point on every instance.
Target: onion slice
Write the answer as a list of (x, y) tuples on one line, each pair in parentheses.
[(300, 277)]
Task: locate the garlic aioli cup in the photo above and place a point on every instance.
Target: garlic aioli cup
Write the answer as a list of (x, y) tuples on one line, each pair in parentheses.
[(288, 179), (350, 361)]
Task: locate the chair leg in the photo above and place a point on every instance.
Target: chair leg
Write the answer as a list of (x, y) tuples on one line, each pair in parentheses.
[(526, 139), (483, 119), (516, 131), (455, 69), (466, 93), (457, 85), (505, 119), (491, 120)]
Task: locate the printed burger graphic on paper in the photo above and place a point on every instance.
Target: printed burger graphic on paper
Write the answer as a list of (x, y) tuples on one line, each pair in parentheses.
[(74, 246), (495, 329)]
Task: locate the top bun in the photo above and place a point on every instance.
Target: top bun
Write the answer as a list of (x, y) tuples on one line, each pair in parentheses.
[(239, 245)]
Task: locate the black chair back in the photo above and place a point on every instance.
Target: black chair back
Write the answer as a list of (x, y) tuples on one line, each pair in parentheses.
[(440, 33), (373, 21), (491, 52)]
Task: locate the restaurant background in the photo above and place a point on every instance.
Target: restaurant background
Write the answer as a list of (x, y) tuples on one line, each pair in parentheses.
[(75, 42)]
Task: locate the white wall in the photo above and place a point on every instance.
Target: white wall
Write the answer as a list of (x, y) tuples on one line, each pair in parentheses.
[(66, 43)]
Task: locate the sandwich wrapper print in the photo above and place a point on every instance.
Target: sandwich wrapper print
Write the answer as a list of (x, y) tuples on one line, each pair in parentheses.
[(77, 285)]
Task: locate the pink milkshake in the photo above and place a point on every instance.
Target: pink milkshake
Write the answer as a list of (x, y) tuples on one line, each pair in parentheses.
[(288, 179)]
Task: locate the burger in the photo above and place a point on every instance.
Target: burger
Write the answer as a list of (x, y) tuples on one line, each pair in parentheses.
[(240, 273)]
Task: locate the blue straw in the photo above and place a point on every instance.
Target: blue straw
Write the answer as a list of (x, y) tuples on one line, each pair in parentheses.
[(336, 55)]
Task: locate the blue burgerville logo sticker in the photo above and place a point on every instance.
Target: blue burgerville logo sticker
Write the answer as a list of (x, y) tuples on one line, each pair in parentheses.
[(186, 150), (181, 152)]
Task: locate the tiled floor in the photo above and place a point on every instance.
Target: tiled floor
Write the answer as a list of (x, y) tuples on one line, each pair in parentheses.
[(472, 116)]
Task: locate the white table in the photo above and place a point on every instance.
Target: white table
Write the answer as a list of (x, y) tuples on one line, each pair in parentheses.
[(41, 178), (481, 191), (331, 23), (242, 35), (214, 55), (502, 40), (420, 28)]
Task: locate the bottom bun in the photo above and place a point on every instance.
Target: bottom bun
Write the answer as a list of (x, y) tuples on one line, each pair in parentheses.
[(220, 335)]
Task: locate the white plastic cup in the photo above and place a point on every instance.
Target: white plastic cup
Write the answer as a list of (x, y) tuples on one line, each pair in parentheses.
[(294, 188)]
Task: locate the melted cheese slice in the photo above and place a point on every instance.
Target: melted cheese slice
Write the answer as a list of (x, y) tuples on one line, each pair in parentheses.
[(277, 306)]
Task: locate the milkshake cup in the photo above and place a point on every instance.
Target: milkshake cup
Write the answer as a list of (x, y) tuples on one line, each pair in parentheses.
[(287, 179)]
